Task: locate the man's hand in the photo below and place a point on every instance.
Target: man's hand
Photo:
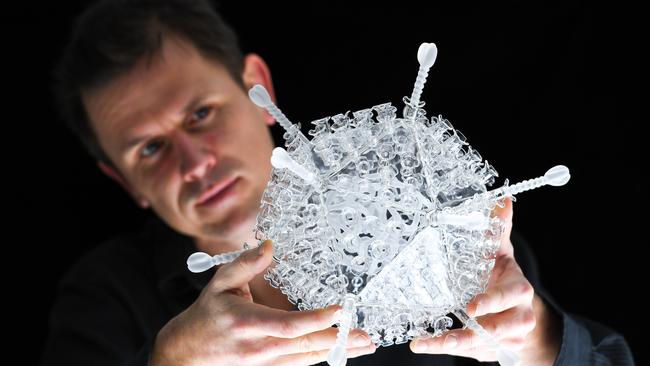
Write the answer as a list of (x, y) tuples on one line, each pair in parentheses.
[(509, 310), (225, 327)]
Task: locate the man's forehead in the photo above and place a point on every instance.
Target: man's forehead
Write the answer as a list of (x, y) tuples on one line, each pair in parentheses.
[(158, 89)]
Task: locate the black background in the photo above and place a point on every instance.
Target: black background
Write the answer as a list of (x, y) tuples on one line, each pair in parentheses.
[(531, 86)]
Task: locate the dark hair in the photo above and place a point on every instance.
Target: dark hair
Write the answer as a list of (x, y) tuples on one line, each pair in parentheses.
[(111, 36)]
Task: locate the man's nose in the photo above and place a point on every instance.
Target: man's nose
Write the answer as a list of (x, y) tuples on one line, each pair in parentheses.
[(196, 159)]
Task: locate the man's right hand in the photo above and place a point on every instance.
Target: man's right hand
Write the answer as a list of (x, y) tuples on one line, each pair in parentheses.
[(225, 327)]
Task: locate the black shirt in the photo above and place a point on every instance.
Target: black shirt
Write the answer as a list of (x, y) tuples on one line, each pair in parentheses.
[(113, 302)]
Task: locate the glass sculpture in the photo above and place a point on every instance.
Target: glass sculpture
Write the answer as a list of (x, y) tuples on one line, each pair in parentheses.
[(387, 216)]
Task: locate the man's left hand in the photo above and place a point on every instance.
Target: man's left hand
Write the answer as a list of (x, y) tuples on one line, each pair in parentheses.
[(509, 310)]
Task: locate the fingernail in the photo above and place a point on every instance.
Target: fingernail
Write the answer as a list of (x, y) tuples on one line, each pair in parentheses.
[(418, 346), (370, 349), (450, 341)]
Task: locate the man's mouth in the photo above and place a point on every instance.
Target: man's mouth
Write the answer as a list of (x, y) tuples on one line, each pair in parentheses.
[(217, 192)]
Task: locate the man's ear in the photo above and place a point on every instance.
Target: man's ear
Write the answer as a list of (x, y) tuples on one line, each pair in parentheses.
[(256, 71), (116, 176)]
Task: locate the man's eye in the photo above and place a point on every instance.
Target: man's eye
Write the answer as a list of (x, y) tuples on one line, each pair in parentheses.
[(150, 148), (201, 114)]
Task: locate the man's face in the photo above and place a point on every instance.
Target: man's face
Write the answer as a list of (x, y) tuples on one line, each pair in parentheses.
[(180, 129)]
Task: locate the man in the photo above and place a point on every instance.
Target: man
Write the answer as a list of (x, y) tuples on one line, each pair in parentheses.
[(156, 90)]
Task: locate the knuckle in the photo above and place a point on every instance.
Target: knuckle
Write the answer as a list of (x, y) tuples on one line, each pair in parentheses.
[(529, 320), (227, 316), (287, 329), (239, 324), (526, 289), (304, 343)]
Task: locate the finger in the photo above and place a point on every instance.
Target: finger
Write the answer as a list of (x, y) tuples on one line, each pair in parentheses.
[(262, 320), (316, 341), (310, 358), (485, 353), (482, 354), (505, 214), (512, 291), (514, 343), (505, 269), (465, 343), (242, 270), (451, 342), (454, 342), (488, 354), (516, 322)]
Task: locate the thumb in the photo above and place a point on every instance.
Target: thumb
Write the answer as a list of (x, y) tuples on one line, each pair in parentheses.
[(238, 273)]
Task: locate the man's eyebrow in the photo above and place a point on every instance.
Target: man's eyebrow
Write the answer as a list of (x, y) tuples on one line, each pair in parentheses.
[(134, 142), (130, 144)]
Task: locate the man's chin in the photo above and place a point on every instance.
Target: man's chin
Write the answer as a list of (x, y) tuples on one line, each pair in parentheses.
[(236, 227)]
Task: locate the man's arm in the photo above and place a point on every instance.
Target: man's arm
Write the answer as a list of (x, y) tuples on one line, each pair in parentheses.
[(108, 313), (519, 315)]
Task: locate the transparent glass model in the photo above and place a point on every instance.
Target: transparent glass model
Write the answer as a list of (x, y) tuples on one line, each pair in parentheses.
[(387, 216)]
